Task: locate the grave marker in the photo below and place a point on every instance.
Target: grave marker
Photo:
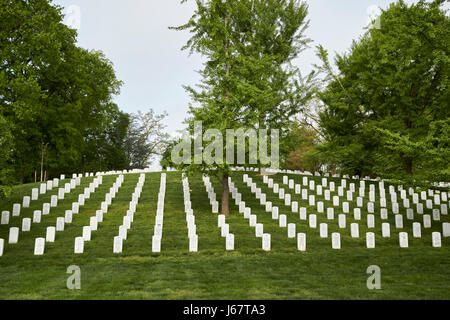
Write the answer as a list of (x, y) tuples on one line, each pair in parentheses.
[(323, 230), (354, 230), (79, 245), (370, 240), (50, 234), (403, 239), (266, 242), (312, 221), (39, 246), (26, 224), (386, 230), (13, 235), (301, 242), (336, 240)]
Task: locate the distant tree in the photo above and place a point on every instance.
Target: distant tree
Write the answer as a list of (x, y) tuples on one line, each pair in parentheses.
[(387, 108), (300, 139), (145, 138)]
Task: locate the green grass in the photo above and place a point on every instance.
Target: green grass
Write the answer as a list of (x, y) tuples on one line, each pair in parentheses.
[(417, 272)]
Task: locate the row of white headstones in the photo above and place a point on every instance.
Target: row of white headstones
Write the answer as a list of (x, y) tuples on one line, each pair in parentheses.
[(190, 217), (129, 217), (159, 218), (221, 219), (370, 237), (37, 214)]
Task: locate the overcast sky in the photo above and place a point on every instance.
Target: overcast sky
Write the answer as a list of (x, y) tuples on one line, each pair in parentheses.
[(146, 55)]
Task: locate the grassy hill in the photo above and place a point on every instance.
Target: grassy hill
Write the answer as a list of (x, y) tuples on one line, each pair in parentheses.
[(417, 272)]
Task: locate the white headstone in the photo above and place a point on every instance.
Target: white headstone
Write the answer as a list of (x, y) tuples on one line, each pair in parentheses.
[(13, 235), (398, 221), (118, 244), (2, 246), (436, 239), (282, 220), (39, 246), (99, 215), (291, 230), (37, 216), (68, 216), (43, 188), (345, 207), (370, 240), (54, 201), (370, 221), (312, 221), (156, 243), (436, 215), (16, 210), (252, 220), (93, 223), (26, 202), (336, 240), (229, 242), (259, 230), (122, 232), (330, 213), (220, 220), (335, 201), (302, 213), (301, 241), (426, 221), (266, 242), (403, 239), (342, 220), (193, 243), (50, 234), (446, 229), (79, 245), (87, 233), (60, 224), (26, 224), (5, 217), (46, 209), (386, 230), (323, 230), (354, 230), (417, 230), (275, 213)]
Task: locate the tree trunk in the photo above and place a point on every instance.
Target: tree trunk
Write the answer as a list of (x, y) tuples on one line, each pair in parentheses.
[(225, 195)]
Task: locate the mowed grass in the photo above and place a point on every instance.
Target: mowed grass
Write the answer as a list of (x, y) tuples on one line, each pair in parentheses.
[(417, 272)]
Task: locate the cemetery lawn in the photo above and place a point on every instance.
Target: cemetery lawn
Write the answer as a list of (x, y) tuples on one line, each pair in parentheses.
[(417, 272)]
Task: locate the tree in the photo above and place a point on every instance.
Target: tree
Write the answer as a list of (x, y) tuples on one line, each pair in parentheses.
[(145, 138), (248, 79), (300, 139), (387, 109), (6, 143), (52, 93)]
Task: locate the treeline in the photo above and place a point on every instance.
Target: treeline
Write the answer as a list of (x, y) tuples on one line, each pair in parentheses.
[(381, 109), (56, 101)]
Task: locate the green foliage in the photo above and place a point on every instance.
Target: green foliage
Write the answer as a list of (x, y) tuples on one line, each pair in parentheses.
[(387, 108), (52, 92), (248, 80)]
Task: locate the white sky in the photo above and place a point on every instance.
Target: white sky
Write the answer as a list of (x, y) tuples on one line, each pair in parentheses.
[(146, 55)]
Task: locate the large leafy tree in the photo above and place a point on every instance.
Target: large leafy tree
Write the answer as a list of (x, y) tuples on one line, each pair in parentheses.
[(52, 93), (248, 79), (387, 108)]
